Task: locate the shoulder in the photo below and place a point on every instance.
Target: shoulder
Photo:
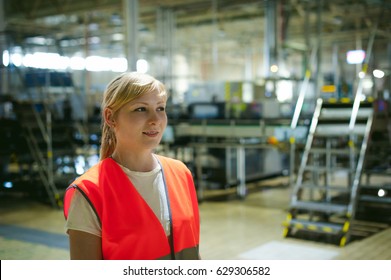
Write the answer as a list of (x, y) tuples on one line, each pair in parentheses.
[(168, 160), (171, 162), (91, 175)]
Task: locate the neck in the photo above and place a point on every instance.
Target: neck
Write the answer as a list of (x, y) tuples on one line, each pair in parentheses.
[(140, 163)]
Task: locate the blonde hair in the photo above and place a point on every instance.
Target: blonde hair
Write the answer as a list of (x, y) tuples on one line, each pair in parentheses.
[(121, 90)]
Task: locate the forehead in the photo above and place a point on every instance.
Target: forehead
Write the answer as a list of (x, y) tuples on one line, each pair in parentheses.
[(153, 96)]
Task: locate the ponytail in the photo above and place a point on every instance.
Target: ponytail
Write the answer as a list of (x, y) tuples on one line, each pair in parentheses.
[(108, 141)]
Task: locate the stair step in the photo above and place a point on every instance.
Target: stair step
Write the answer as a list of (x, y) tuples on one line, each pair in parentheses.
[(347, 104), (376, 199), (369, 224), (325, 169), (341, 151), (320, 206), (315, 226), (341, 189), (381, 172), (344, 113), (376, 187), (338, 129)]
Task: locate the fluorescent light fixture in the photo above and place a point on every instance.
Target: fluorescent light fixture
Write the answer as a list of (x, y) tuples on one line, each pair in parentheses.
[(54, 61), (28, 60), (8, 185), (16, 59), (6, 58), (274, 68), (63, 63), (46, 61), (367, 84), (142, 66), (284, 91), (381, 193), (355, 56), (98, 63), (77, 63), (119, 64), (117, 37), (378, 73)]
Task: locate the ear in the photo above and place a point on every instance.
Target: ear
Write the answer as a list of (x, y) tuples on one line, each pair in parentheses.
[(109, 117)]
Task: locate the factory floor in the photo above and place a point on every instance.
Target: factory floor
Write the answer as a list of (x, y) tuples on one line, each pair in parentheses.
[(231, 228)]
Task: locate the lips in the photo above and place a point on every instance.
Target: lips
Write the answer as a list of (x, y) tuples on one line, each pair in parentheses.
[(151, 133)]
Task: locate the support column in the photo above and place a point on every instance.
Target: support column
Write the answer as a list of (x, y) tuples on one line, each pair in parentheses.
[(270, 41), (335, 61), (131, 13), (4, 74), (388, 77), (214, 43), (318, 72), (165, 35), (248, 92), (307, 40)]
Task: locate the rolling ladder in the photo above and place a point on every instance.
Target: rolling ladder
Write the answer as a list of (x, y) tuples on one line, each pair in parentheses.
[(326, 192), (374, 201)]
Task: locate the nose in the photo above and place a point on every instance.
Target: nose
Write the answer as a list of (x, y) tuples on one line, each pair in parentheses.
[(154, 117)]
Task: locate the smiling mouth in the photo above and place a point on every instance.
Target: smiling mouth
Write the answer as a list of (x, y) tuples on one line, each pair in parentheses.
[(151, 133)]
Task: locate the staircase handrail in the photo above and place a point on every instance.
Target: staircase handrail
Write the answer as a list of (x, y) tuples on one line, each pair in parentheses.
[(357, 98), (297, 112), (303, 89), (314, 124)]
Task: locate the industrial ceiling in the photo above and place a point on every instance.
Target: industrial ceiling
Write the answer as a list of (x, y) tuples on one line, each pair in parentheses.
[(72, 25)]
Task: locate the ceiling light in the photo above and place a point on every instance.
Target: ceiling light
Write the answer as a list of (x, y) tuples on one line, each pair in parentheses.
[(142, 66), (16, 59), (77, 63), (119, 64), (6, 58), (355, 56), (378, 73), (117, 37), (274, 68)]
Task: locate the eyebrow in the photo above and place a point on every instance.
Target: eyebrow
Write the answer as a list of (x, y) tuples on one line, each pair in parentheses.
[(146, 103)]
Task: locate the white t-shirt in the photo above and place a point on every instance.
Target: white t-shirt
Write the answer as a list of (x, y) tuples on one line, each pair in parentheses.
[(150, 186)]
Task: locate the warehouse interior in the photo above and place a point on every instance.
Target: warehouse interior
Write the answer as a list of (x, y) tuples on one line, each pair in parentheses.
[(280, 108)]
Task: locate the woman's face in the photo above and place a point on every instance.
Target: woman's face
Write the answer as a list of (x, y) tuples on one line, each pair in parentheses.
[(140, 124)]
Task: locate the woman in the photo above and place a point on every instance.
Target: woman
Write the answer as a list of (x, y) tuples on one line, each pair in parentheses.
[(133, 204)]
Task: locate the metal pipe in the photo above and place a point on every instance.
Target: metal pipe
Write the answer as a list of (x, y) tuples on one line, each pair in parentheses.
[(357, 98), (4, 75)]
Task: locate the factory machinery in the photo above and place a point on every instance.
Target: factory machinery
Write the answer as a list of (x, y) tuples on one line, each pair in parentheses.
[(46, 145), (228, 154), (339, 161)]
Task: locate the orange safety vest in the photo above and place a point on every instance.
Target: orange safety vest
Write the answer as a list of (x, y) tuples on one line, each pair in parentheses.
[(130, 229)]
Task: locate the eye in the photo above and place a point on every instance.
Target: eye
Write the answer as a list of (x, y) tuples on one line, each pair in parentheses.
[(162, 109), (140, 109)]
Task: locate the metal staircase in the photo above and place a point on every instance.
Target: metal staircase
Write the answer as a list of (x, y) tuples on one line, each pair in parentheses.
[(374, 201), (326, 194), (50, 147), (37, 133)]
